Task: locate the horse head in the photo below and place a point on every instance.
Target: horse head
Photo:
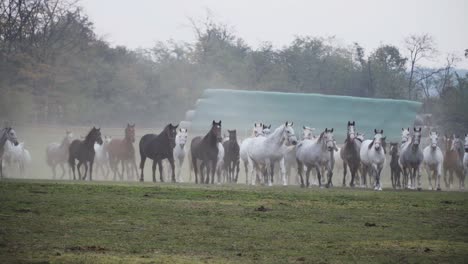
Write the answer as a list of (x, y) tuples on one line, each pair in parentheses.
[(68, 136), (10, 134), (232, 135), (216, 130), (107, 139), (351, 130), (416, 137), (181, 138), (266, 130), (258, 130), (288, 134), (434, 138), (456, 144), (328, 138), (405, 134), (378, 141), (466, 142), (130, 132), (94, 136), (360, 136), (393, 149), (307, 132)]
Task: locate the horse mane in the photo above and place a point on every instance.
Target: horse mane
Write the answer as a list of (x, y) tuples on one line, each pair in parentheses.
[(88, 137)]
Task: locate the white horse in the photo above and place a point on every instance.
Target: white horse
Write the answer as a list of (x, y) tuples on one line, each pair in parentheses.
[(179, 152), (405, 135), (372, 154), (258, 130), (433, 160), (17, 157), (57, 154), (411, 158), (290, 162), (101, 157), (465, 157), (263, 152), (316, 153)]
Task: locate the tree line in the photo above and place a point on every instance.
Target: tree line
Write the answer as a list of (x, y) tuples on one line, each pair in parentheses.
[(55, 69)]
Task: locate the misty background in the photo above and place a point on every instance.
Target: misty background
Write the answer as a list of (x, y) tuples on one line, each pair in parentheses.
[(146, 62)]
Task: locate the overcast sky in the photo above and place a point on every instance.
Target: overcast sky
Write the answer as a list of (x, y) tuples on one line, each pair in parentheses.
[(140, 23)]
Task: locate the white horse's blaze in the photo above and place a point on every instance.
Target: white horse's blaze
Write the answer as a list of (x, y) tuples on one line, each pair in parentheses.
[(373, 158), (433, 160)]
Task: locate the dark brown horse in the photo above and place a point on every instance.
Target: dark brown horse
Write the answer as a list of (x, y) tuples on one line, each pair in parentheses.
[(453, 161), (158, 148), (350, 153), (231, 156), (395, 168), (122, 150), (83, 151), (206, 150)]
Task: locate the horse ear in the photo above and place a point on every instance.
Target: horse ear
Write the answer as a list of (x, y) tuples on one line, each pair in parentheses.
[(213, 123), (375, 131), (331, 130), (303, 127), (349, 123), (269, 126), (286, 124), (402, 129), (354, 123), (381, 131), (175, 127)]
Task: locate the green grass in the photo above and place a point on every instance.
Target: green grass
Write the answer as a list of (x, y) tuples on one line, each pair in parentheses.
[(62, 222)]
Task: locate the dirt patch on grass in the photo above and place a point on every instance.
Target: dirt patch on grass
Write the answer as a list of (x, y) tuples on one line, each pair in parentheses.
[(97, 249)]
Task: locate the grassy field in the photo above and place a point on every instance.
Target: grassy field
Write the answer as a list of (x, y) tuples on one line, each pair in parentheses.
[(63, 222)]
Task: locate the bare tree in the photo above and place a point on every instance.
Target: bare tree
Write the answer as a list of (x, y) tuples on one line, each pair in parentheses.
[(419, 47)]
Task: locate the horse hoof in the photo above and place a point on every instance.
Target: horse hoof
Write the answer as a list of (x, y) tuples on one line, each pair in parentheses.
[(439, 189), (419, 189)]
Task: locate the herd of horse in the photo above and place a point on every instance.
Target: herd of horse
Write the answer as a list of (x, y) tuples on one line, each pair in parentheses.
[(214, 158)]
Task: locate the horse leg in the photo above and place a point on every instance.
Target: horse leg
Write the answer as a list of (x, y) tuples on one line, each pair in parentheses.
[(86, 170), (251, 167), (283, 172), (272, 173), (91, 170), (72, 167), (309, 169), (345, 171), (171, 162), (236, 165), (213, 170), (429, 176), (450, 178), (78, 168), (142, 167), (246, 164), (445, 178), (53, 170), (161, 176), (195, 169), (319, 176), (300, 169), (153, 169), (122, 163)]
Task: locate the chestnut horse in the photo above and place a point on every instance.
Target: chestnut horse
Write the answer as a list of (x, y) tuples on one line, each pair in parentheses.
[(453, 161), (122, 150)]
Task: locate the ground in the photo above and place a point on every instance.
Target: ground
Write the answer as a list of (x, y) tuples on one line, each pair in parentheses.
[(46, 221)]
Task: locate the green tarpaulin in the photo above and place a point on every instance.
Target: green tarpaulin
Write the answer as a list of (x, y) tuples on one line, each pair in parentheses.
[(239, 109)]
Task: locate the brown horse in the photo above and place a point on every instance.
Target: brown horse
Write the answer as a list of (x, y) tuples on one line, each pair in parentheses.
[(453, 161), (122, 150)]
